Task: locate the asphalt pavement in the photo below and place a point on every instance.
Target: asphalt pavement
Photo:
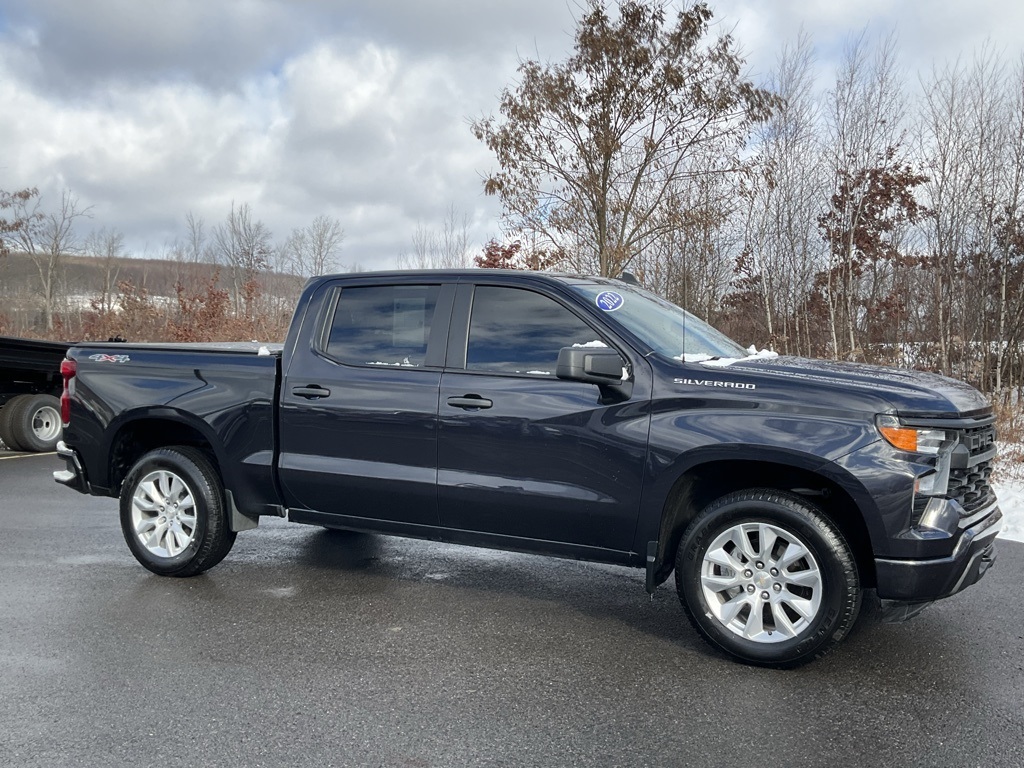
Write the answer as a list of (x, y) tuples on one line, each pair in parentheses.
[(310, 648)]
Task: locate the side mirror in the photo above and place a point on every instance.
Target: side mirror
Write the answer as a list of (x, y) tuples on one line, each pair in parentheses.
[(592, 365)]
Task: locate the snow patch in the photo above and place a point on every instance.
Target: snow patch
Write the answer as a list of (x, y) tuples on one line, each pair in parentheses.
[(722, 362), (1009, 488), (404, 364), (1011, 501)]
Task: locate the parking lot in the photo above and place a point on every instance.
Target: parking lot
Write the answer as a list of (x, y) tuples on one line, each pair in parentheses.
[(306, 647)]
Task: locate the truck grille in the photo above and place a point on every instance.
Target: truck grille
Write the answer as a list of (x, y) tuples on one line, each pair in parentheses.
[(978, 439), (969, 462), (972, 486)]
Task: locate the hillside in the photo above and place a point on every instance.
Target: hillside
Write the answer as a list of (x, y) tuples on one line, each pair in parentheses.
[(82, 280)]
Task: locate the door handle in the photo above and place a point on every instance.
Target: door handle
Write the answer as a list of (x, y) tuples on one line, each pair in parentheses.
[(469, 402), (311, 392)]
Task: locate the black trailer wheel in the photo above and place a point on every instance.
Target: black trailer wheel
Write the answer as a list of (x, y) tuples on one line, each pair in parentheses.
[(766, 577), (7, 436), (172, 512), (34, 423)]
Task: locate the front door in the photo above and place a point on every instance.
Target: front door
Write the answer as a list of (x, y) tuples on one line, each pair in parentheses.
[(526, 455)]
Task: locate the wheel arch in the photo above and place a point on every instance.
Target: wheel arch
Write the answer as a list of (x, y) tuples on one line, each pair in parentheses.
[(697, 485), (139, 432)]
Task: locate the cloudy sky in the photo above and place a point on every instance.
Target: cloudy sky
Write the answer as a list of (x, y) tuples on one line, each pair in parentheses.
[(147, 110)]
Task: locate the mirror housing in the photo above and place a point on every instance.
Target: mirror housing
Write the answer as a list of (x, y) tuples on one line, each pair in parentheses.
[(591, 365), (596, 365), (601, 366)]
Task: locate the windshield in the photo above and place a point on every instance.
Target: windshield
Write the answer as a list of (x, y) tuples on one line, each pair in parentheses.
[(663, 326)]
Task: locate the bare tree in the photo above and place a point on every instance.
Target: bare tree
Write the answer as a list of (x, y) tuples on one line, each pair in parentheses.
[(314, 249), (1010, 238), (106, 245), (864, 120), (691, 262), (20, 204), (197, 249), (971, 135), (47, 238), (192, 252), (447, 249), (592, 151), (244, 247), (783, 194)]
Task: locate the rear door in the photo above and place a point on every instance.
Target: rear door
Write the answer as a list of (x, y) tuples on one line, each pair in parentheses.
[(522, 454), (358, 421)]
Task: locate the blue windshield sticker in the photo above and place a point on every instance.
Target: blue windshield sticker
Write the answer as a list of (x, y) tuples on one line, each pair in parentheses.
[(609, 301)]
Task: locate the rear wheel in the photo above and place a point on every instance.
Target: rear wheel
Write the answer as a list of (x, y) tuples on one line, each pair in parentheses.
[(172, 512), (766, 577), (7, 436), (34, 422)]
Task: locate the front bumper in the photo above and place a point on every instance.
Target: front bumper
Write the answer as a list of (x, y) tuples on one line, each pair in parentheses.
[(74, 475), (913, 583)]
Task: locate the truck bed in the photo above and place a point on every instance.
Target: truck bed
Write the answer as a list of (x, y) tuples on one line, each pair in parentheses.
[(241, 347)]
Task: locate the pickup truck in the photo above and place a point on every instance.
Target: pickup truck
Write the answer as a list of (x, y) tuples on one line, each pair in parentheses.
[(30, 385), (572, 416)]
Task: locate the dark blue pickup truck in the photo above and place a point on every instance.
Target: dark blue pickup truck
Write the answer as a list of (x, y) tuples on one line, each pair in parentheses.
[(571, 416)]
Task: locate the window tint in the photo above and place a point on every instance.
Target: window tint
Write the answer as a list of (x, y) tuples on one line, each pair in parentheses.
[(382, 325), (672, 331), (519, 331)]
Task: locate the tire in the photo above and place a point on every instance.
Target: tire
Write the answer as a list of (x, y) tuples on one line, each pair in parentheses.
[(766, 577), (34, 422), (7, 413), (172, 512)]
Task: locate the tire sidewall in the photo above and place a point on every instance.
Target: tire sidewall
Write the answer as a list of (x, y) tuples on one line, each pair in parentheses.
[(727, 513), (24, 418), (188, 472), (8, 415)]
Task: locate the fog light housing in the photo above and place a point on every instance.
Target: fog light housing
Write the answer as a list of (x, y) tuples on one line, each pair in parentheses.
[(938, 521)]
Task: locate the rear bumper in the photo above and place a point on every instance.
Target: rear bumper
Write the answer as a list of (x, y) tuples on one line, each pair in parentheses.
[(915, 582), (74, 475)]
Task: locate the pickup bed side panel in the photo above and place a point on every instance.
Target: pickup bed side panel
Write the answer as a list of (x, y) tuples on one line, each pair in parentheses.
[(227, 397)]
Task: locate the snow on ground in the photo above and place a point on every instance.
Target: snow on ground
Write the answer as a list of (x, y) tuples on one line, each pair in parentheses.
[(1009, 487), (1011, 500)]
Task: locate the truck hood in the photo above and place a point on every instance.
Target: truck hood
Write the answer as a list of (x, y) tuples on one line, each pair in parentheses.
[(907, 391)]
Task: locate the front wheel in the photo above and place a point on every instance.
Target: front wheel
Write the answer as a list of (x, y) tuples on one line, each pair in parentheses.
[(766, 577), (172, 512)]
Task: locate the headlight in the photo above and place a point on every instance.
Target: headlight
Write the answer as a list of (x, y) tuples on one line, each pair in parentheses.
[(913, 439)]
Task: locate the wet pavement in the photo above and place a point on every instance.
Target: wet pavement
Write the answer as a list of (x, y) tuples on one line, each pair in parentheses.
[(306, 647)]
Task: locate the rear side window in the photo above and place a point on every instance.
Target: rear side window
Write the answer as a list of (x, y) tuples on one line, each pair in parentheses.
[(512, 330), (387, 325)]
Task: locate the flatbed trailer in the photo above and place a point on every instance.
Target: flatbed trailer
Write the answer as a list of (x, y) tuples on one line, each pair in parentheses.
[(30, 388)]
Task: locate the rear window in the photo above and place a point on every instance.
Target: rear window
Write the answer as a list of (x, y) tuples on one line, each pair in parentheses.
[(385, 325)]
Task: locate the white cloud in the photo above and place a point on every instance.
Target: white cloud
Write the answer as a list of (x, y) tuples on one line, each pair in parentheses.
[(927, 30), (328, 90), (353, 109)]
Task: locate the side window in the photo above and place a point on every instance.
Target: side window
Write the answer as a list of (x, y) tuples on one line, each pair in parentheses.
[(387, 325), (512, 330)]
